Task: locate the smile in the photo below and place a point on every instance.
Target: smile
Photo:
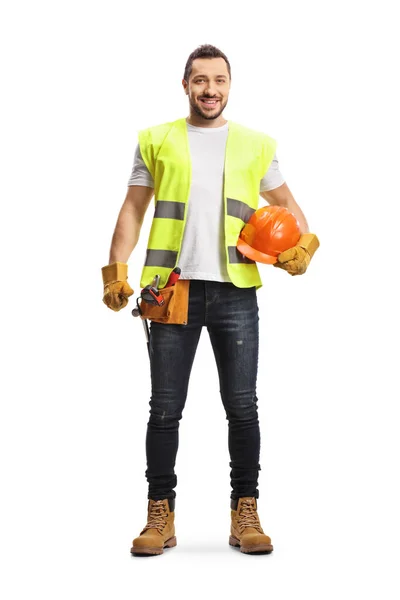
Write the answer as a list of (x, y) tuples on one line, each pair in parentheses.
[(210, 103)]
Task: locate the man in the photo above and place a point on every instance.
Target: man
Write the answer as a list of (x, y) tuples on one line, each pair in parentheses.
[(207, 174)]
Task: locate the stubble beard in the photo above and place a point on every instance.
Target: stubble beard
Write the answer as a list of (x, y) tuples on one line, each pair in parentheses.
[(205, 115)]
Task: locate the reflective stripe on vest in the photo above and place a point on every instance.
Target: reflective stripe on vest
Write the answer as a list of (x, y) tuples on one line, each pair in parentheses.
[(161, 258), (239, 209), (235, 256), (169, 210), (166, 153)]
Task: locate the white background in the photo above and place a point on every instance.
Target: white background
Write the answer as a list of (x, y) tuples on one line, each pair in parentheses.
[(79, 80)]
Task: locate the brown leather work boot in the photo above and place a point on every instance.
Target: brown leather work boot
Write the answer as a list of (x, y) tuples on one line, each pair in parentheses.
[(159, 533), (246, 530)]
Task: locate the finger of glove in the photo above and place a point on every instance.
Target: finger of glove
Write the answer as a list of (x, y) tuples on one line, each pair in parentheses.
[(123, 300), (115, 301), (124, 293), (119, 287), (117, 293), (301, 264), (126, 289), (290, 254), (293, 267), (297, 268), (279, 265)]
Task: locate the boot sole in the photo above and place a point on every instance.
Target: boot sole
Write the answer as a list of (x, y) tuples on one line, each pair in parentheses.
[(153, 549), (267, 548)]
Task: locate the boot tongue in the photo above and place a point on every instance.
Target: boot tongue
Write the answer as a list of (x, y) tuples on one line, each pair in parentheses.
[(157, 514), (248, 503)]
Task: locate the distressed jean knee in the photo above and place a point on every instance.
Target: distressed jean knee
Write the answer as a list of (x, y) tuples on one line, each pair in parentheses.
[(164, 412), (244, 410)]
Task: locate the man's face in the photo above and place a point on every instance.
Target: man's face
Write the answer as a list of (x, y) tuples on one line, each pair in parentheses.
[(208, 87)]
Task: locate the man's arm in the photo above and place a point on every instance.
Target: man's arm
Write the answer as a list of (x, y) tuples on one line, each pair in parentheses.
[(129, 223), (282, 196)]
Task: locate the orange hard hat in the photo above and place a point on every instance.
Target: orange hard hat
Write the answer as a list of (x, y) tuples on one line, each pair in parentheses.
[(269, 231)]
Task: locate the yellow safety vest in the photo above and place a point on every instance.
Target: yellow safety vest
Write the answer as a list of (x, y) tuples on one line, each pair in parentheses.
[(165, 151)]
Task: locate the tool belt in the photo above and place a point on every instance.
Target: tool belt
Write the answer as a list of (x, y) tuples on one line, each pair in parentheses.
[(175, 308)]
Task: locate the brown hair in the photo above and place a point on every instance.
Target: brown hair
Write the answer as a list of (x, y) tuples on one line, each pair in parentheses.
[(204, 51)]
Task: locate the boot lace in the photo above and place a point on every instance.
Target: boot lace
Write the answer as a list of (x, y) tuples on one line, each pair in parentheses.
[(157, 516), (248, 517)]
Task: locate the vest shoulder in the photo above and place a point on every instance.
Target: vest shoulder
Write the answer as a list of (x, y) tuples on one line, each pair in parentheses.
[(253, 132), (160, 129), (155, 135)]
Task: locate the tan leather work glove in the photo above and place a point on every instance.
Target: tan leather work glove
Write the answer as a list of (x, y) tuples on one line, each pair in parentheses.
[(296, 260), (116, 288)]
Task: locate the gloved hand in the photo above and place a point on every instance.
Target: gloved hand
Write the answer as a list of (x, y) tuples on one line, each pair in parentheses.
[(296, 260), (116, 288)]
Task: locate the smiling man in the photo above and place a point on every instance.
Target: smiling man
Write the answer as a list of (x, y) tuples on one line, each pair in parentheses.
[(208, 90), (206, 174)]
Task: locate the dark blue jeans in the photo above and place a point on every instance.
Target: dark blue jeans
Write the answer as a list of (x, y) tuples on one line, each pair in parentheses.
[(231, 317)]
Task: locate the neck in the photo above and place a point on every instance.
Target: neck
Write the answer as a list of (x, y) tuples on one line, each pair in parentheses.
[(197, 121)]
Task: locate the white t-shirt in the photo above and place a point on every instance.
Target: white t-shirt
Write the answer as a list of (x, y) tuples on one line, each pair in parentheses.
[(203, 254)]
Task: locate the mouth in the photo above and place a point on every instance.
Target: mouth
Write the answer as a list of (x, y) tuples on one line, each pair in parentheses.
[(209, 102)]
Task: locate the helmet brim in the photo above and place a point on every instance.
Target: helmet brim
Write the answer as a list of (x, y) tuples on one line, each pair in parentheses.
[(254, 254)]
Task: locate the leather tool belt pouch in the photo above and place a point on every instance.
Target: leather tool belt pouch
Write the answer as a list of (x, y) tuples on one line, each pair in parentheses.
[(175, 308)]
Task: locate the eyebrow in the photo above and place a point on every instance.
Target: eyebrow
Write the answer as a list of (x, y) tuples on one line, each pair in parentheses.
[(200, 75)]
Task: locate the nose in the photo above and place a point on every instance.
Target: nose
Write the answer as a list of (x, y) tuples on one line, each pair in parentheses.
[(210, 90)]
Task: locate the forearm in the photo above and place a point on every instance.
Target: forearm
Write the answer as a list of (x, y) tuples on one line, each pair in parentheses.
[(125, 237), (295, 209), (282, 196)]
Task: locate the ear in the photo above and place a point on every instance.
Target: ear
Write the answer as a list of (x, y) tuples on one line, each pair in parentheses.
[(185, 86)]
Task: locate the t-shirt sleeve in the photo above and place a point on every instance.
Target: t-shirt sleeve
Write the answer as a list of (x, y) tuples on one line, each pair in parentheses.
[(273, 177), (140, 174)]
